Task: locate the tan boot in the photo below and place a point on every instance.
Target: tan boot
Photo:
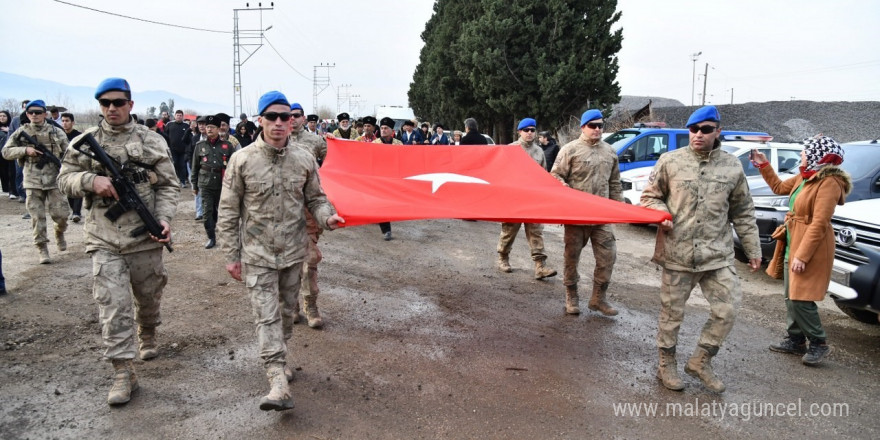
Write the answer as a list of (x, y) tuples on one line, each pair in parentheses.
[(124, 382), (147, 348), (668, 370), (44, 253), (313, 316), (59, 240), (288, 374), (278, 398), (700, 366), (598, 303), (571, 300), (542, 271), (504, 263)]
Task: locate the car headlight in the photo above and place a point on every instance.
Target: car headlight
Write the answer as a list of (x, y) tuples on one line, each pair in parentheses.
[(771, 201)]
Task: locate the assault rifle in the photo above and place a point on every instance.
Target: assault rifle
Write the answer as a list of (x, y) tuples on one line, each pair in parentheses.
[(128, 195), (47, 155)]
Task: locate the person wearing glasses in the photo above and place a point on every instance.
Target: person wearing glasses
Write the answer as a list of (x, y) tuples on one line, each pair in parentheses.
[(590, 165), (39, 179), (534, 231), (316, 146), (266, 190), (705, 190), (209, 161), (129, 271)]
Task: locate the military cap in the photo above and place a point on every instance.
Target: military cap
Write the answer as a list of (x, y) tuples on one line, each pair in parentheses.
[(590, 115), (706, 113), (36, 103), (214, 120), (296, 106), (370, 120), (269, 98), (343, 117), (202, 119), (112, 84), (312, 118), (386, 121), (526, 123)]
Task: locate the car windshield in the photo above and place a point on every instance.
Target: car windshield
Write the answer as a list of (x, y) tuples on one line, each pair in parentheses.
[(859, 160), (621, 135)]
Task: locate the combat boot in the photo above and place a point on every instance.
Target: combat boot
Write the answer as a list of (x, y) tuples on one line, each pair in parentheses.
[(700, 366), (504, 263), (124, 382), (668, 370), (288, 374), (598, 303), (44, 253), (571, 300), (59, 239), (278, 398), (147, 348), (542, 271), (310, 304)]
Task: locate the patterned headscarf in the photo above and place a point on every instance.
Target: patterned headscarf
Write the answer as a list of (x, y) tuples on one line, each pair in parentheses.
[(820, 151)]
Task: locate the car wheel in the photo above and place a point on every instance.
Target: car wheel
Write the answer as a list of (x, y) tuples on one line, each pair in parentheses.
[(866, 316)]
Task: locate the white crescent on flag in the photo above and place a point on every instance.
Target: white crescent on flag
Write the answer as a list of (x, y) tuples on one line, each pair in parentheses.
[(438, 179)]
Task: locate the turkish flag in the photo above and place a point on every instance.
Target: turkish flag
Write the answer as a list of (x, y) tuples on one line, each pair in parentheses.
[(373, 183)]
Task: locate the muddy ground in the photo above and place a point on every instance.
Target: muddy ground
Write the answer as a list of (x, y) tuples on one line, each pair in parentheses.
[(423, 339)]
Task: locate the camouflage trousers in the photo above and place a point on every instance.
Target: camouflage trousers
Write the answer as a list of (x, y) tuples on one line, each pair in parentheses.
[(534, 233), (310, 269), (121, 283), (604, 251), (274, 294), (38, 202), (720, 287)]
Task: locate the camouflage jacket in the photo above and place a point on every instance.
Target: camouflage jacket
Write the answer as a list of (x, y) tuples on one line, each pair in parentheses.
[(311, 142), (704, 193), (261, 218), (209, 162), (589, 168), (236, 144), (352, 133), (534, 151), (53, 138), (147, 162)]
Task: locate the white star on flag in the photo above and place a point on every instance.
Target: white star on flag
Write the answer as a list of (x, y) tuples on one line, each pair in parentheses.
[(438, 179)]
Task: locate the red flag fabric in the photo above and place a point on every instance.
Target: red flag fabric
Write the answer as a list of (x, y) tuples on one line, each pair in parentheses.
[(373, 183)]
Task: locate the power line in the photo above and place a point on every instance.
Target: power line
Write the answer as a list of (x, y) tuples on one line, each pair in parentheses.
[(141, 19), (285, 61)]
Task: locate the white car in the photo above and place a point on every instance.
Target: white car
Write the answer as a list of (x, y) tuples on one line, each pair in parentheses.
[(782, 157), (855, 275)]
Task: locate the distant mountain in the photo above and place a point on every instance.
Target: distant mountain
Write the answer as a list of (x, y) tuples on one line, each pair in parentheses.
[(82, 98)]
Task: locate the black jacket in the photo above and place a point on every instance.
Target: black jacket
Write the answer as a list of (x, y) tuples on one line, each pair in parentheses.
[(179, 136), (551, 150), (474, 138)]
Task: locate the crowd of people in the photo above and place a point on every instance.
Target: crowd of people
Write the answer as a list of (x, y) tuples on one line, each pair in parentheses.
[(268, 229)]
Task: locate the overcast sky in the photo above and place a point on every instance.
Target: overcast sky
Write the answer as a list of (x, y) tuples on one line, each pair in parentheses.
[(762, 50)]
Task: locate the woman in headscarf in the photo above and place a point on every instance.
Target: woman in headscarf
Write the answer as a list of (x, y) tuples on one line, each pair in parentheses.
[(7, 167), (805, 243)]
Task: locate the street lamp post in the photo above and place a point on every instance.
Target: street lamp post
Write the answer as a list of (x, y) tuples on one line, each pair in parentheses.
[(694, 57)]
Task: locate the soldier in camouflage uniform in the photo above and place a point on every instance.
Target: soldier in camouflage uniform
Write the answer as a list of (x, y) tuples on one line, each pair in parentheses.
[(266, 190), (590, 165), (345, 130), (40, 184), (317, 147), (705, 190), (129, 272), (209, 161), (534, 231)]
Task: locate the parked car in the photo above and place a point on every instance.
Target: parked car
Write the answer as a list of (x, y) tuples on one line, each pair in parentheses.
[(861, 161), (641, 146), (489, 139), (855, 276), (782, 157)]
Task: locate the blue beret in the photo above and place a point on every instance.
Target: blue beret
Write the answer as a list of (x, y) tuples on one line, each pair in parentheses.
[(112, 84), (296, 106), (36, 103), (269, 98), (590, 115), (707, 113), (527, 122)]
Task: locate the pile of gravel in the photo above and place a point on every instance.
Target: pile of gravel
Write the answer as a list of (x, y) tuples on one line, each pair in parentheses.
[(791, 121)]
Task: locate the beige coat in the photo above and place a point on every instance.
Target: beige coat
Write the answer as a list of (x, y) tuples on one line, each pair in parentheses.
[(809, 227)]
